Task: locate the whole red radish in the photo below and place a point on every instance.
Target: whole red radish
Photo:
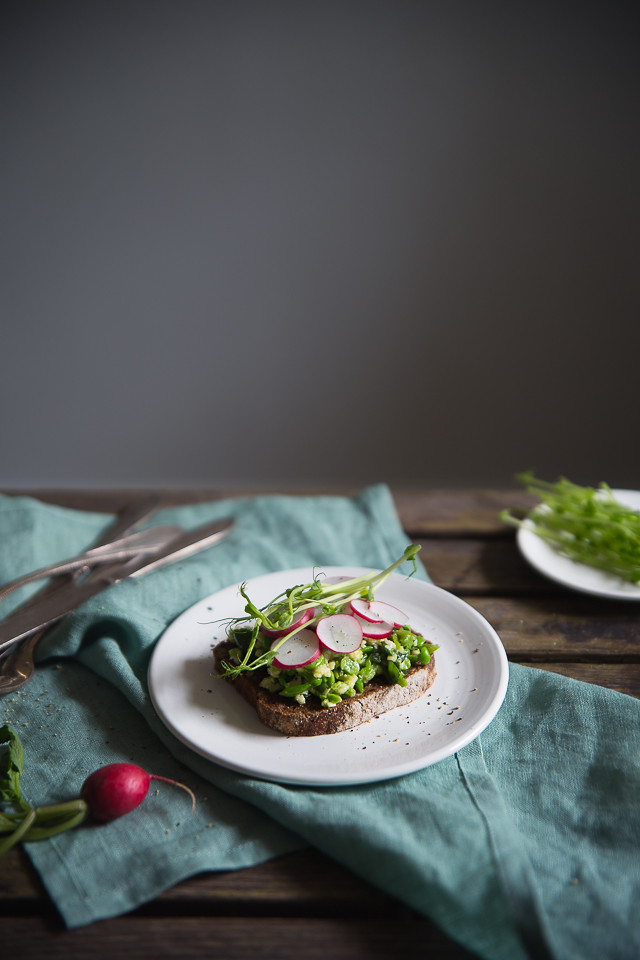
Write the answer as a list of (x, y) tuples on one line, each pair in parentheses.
[(117, 788)]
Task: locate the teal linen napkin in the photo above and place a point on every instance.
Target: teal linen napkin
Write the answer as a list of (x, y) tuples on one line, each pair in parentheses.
[(525, 843)]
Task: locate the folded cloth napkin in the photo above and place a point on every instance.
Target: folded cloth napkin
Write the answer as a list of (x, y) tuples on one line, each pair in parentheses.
[(524, 843)]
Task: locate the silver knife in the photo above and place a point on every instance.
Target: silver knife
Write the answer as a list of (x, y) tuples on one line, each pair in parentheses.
[(43, 612), (17, 664), (147, 542), (131, 516)]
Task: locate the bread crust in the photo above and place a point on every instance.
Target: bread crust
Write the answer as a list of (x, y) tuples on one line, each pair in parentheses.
[(312, 719)]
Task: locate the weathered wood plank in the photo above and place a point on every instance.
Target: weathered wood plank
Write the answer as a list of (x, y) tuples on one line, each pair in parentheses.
[(288, 879), (18, 879), (468, 513), (623, 677), (234, 938), (282, 880), (568, 627), (492, 567)]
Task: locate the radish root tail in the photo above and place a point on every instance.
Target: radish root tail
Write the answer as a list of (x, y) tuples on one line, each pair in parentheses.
[(176, 783)]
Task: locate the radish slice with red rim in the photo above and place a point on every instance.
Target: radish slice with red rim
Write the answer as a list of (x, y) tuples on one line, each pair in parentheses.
[(298, 651), (375, 631), (340, 632), (282, 631), (377, 611)]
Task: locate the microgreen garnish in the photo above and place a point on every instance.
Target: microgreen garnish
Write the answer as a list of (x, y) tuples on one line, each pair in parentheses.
[(289, 606), (586, 524), (21, 821)]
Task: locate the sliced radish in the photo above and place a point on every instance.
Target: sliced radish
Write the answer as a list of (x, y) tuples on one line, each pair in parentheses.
[(340, 633), (375, 631), (298, 651), (282, 631), (377, 611)]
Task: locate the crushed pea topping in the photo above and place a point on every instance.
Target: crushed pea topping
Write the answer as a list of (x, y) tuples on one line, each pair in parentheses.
[(341, 677)]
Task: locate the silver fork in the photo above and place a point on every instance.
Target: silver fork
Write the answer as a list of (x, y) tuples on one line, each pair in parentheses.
[(123, 548), (17, 667)]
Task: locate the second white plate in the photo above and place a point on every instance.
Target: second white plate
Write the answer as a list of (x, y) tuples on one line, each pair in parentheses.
[(207, 714), (578, 576)]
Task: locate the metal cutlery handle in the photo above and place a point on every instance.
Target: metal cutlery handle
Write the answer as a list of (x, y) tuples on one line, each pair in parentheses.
[(147, 542), (17, 666), (66, 597)]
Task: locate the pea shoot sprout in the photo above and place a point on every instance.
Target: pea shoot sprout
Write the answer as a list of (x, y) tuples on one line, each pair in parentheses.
[(302, 606), (586, 524)]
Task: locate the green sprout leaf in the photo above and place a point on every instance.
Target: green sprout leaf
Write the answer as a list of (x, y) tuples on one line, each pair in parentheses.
[(327, 597), (586, 524), (28, 823), (11, 763)]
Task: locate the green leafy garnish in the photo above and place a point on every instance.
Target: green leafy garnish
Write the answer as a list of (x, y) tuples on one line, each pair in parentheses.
[(324, 598), (586, 524), (21, 821), (334, 677), (11, 763)]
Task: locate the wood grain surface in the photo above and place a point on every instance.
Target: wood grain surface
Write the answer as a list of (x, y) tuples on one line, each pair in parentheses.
[(285, 908)]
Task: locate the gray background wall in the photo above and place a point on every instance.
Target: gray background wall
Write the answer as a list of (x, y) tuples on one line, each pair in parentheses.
[(318, 243)]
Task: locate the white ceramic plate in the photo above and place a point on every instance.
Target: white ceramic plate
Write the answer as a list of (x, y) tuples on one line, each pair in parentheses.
[(578, 576), (208, 715)]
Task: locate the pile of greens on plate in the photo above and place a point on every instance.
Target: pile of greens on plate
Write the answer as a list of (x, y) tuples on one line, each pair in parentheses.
[(586, 524)]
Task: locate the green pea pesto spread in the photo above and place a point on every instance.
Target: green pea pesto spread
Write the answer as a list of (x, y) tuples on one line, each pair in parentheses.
[(333, 677)]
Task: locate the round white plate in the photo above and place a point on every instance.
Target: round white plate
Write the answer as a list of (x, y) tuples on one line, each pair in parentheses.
[(578, 576), (210, 717)]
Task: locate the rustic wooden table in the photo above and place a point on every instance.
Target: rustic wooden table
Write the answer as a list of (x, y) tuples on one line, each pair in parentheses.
[(289, 907)]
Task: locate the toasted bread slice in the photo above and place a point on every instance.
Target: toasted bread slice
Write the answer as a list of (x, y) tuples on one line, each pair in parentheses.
[(312, 719)]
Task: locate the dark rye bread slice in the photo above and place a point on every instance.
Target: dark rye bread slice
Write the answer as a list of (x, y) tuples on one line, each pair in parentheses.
[(312, 719)]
